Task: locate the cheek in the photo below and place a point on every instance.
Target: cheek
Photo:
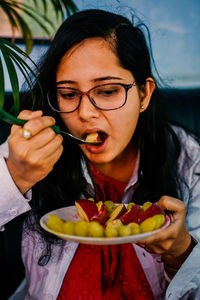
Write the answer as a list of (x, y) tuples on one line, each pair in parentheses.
[(69, 121), (125, 123)]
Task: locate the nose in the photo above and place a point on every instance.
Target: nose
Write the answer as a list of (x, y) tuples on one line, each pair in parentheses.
[(87, 110)]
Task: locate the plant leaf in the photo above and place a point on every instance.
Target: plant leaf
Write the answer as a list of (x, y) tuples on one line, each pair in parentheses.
[(13, 80), (2, 88)]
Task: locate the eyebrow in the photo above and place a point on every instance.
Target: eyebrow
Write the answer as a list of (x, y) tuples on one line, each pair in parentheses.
[(99, 79)]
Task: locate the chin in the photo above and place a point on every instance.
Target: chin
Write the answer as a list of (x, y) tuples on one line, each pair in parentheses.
[(100, 158)]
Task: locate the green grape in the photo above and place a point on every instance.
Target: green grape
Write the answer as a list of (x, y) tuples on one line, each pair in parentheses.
[(146, 205), (148, 225), (81, 228), (160, 220), (110, 206), (55, 223), (129, 206), (115, 223), (69, 228), (111, 232), (124, 230), (95, 229), (135, 228)]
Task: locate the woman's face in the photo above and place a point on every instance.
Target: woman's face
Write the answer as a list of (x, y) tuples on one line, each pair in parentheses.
[(85, 66)]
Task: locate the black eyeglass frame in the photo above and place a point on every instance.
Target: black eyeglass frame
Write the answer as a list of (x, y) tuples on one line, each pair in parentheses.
[(126, 87)]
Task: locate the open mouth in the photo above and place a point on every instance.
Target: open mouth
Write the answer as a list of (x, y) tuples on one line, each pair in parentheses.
[(95, 137)]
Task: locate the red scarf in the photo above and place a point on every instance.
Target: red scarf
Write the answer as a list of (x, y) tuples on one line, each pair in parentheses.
[(105, 272)]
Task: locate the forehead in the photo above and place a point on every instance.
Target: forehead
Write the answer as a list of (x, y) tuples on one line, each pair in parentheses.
[(91, 58)]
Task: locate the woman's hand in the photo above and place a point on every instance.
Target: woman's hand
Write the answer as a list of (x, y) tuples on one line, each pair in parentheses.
[(174, 240), (31, 160)]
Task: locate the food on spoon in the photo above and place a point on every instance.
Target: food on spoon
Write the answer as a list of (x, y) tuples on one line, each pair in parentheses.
[(92, 137), (132, 215), (55, 223), (87, 209)]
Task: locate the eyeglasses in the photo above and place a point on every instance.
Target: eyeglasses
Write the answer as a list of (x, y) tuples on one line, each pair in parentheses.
[(105, 97)]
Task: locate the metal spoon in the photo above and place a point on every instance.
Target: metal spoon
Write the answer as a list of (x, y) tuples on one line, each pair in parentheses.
[(8, 118)]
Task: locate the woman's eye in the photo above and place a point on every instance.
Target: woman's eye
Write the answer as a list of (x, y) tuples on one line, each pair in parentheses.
[(68, 95), (108, 92)]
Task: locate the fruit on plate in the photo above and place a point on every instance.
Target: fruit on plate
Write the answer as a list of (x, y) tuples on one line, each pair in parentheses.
[(69, 227), (55, 223), (160, 220), (95, 229), (81, 228), (103, 214), (151, 211), (117, 212), (135, 228), (129, 206), (148, 225), (110, 206), (87, 209), (124, 230), (146, 205), (111, 231), (97, 221), (132, 215)]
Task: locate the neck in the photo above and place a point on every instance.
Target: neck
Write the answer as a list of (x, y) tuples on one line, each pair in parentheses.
[(121, 168)]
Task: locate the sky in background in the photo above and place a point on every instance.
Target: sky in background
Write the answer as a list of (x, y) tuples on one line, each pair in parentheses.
[(175, 34)]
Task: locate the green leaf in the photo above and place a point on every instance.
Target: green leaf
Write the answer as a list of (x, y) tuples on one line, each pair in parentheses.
[(2, 88), (14, 52), (26, 32), (13, 80)]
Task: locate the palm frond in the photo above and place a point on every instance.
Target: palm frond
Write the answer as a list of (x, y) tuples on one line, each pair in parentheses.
[(14, 57)]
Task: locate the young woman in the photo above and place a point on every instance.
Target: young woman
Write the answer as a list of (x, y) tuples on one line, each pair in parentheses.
[(97, 77)]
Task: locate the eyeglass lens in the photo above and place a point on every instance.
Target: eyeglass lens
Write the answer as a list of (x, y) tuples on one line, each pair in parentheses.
[(108, 96)]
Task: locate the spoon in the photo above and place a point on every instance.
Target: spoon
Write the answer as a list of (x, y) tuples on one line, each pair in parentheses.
[(8, 118)]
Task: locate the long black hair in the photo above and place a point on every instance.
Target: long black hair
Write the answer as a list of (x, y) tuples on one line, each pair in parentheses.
[(158, 144)]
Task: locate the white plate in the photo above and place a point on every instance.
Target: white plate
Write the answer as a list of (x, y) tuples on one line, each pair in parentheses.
[(70, 214)]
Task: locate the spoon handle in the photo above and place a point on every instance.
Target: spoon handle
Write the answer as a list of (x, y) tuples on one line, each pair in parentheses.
[(5, 116)]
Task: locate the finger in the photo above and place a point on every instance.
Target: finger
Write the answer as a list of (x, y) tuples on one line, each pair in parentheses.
[(41, 139), (53, 145), (26, 115), (43, 154), (171, 204), (38, 124)]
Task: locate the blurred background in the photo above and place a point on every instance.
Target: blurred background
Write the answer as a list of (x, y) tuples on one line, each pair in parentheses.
[(174, 27)]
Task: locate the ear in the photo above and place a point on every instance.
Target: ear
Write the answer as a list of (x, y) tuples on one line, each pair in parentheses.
[(146, 93)]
